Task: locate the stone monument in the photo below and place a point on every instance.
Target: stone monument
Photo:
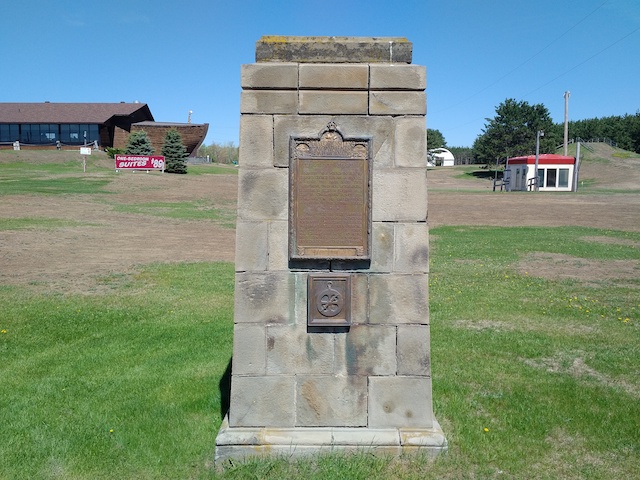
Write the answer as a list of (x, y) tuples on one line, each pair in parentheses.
[(331, 325)]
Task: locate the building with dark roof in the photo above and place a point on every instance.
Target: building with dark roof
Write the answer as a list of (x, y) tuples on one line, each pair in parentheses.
[(49, 125)]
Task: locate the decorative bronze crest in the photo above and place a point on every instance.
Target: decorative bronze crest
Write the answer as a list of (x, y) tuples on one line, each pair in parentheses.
[(329, 300)]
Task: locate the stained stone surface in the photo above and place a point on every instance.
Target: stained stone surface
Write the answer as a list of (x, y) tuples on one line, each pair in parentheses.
[(278, 48)]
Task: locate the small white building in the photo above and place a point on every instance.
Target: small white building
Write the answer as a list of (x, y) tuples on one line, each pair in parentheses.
[(441, 157), (556, 173)]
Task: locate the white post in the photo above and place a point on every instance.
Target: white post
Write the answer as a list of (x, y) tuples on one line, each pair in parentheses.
[(576, 168)]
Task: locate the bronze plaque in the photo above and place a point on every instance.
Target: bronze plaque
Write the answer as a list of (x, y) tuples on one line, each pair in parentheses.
[(329, 197), (329, 300)]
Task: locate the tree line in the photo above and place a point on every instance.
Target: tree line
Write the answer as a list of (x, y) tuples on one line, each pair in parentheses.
[(220, 153), (513, 131), (623, 130)]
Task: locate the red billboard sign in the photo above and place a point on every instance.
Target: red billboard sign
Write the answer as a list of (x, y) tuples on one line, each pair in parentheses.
[(139, 162)]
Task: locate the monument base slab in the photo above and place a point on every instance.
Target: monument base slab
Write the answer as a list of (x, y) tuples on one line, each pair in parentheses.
[(242, 442)]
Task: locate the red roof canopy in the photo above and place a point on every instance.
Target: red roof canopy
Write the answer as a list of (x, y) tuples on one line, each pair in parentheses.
[(543, 159)]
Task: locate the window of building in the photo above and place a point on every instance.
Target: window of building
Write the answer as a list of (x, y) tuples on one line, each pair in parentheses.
[(94, 133), (9, 132), (540, 176), (74, 133), (28, 132), (563, 178), (48, 133), (551, 177)]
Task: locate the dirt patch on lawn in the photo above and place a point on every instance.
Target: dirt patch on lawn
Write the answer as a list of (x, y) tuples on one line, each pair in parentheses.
[(514, 209), (555, 266), (567, 363), (108, 243)]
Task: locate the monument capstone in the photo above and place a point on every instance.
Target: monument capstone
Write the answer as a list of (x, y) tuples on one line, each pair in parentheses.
[(331, 343)]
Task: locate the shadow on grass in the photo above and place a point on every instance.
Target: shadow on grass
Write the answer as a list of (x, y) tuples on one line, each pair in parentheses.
[(485, 174), (225, 390)]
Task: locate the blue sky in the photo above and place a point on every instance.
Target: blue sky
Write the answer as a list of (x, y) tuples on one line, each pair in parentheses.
[(178, 56)]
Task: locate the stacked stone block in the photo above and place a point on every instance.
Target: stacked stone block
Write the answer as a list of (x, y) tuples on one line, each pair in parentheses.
[(374, 376)]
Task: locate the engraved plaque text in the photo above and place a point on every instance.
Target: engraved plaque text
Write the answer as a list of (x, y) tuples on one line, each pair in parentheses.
[(329, 197)]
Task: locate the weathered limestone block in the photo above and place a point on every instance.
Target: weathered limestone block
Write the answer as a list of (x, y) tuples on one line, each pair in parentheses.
[(259, 297), (359, 299), (249, 347), (333, 102), (331, 401), (256, 141), (331, 76), (413, 350), (411, 248), (400, 402), (397, 103), (252, 249), (398, 77), (399, 195), (272, 76), (286, 126), (279, 48), (399, 299), (262, 401), (367, 350), (382, 247), (410, 142), (299, 315), (268, 101), (291, 350), (381, 131), (265, 192), (278, 245)]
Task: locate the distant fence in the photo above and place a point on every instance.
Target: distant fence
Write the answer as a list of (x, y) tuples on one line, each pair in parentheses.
[(606, 140), (198, 160)]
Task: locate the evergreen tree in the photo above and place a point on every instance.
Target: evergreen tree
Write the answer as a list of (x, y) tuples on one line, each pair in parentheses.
[(435, 139), (139, 143), (174, 152), (624, 131), (513, 131)]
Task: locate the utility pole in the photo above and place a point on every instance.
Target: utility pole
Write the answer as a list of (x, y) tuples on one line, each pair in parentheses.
[(536, 175), (566, 122)]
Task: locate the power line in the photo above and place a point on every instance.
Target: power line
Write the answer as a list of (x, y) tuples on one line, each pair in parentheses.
[(562, 74), (566, 32), (582, 63)]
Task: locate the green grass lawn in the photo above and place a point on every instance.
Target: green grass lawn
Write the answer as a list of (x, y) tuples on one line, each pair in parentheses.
[(123, 385), (195, 210), (533, 378)]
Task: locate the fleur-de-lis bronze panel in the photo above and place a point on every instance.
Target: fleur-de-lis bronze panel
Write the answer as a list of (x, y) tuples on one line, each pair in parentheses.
[(330, 197), (329, 300)]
